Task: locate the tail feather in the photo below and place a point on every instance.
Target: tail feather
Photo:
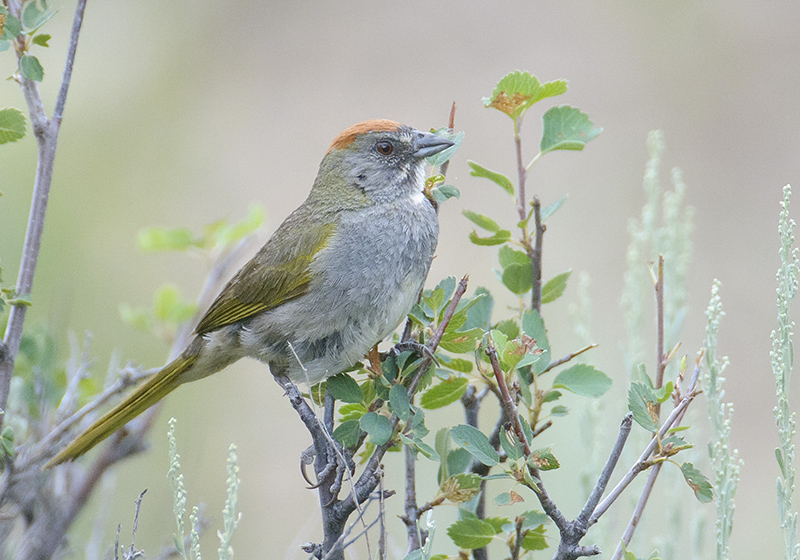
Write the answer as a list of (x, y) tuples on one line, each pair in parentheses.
[(156, 388)]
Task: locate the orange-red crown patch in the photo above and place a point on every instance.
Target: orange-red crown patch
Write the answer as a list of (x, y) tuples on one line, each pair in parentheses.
[(347, 136)]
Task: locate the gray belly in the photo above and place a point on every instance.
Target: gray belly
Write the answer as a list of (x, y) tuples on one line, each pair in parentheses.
[(364, 283)]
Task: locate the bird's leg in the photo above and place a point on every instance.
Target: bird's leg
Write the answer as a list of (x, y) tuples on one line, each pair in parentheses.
[(417, 347)]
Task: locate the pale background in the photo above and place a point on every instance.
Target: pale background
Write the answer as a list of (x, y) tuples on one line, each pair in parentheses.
[(184, 112)]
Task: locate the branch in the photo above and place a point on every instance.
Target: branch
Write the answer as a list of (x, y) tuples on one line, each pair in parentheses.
[(536, 256), (661, 359), (46, 132), (567, 358)]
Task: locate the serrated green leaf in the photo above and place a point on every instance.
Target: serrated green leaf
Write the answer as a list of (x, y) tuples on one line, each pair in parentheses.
[(12, 125), (448, 286), (42, 40), (697, 481), (584, 380), (344, 388), (461, 488), (509, 328), (351, 411), (555, 287), (398, 399), (498, 178), (533, 326), (517, 91), (347, 433), (456, 137), (456, 364), (550, 209), (35, 14), (480, 313), (444, 393), (441, 193), (511, 445), (164, 239), (377, 426), (498, 238), (31, 68), (476, 442), (471, 533), (663, 394), (498, 523), (642, 403), (534, 539), (508, 256), (518, 278), (566, 128), (481, 221), (460, 342)]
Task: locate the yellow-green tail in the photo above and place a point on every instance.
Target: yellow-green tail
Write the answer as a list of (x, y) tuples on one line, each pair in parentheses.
[(156, 388)]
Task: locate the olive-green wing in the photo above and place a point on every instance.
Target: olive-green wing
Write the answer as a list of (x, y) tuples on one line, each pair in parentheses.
[(278, 273)]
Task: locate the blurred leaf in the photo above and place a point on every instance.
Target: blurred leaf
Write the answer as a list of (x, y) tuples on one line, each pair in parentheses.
[(344, 388), (11, 28), (550, 209), (480, 314), (498, 178), (518, 278), (164, 239), (7, 440), (566, 128), (444, 393), (481, 221), (377, 426), (255, 219), (697, 481), (642, 403), (347, 433), (533, 326), (517, 91), (42, 40), (456, 364), (456, 137), (559, 410), (476, 442), (461, 488), (441, 193), (168, 306), (543, 459), (498, 238), (448, 286), (509, 328), (12, 125), (555, 287), (398, 398), (584, 380), (471, 533), (508, 256), (31, 68), (508, 498), (35, 14), (136, 317)]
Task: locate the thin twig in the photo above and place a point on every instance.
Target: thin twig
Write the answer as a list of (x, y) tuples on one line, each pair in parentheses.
[(661, 361), (46, 132), (536, 255), (567, 358)]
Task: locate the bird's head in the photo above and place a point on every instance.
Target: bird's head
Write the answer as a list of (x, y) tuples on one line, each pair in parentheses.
[(375, 161)]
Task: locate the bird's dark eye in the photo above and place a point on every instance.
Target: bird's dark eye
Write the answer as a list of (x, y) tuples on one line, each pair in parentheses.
[(384, 147)]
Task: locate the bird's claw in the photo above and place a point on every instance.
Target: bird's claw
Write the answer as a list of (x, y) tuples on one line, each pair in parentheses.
[(414, 346), (335, 467)]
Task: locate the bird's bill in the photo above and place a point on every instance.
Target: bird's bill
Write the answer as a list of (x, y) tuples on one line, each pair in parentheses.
[(427, 144)]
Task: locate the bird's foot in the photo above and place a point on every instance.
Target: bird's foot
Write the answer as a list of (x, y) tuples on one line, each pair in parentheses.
[(338, 465), (414, 346)]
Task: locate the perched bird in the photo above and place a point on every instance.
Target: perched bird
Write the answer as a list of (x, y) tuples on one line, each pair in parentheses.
[(337, 276)]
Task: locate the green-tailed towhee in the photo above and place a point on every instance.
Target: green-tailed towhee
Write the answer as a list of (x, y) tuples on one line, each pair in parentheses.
[(335, 278)]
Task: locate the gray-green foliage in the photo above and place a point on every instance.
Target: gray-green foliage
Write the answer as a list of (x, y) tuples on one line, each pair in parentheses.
[(782, 359), (724, 461), (229, 515)]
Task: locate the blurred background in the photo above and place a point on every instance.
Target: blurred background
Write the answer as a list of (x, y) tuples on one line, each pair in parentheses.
[(181, 113)]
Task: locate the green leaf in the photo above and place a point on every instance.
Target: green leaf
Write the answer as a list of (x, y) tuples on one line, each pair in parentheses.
[(31, 68), (533, 518), (456, 364), (498, 178), (471, 533), (12, 125), (456, 137), (4, 45), (481, 221), (543, 459), (550, 209), (476, 442), (35, 14), (398, 399), (168, 306), (642, 403), (460, 342), (7, 440), (498, 238), (254, 220), (511, 445), (442, 193), (351, 411), (508, 498), (480, 313), (697, 481), (136, 317), (555, 287), (533, 326), (508, 256), (164, 239), (534, 539), (566, 128), (344, 388), (42, 40), (584, 380), (347, 433), (11, 29), (518, 278), (444, 393), (559, 410), (377, 426), (517, 91), (509, 328)]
